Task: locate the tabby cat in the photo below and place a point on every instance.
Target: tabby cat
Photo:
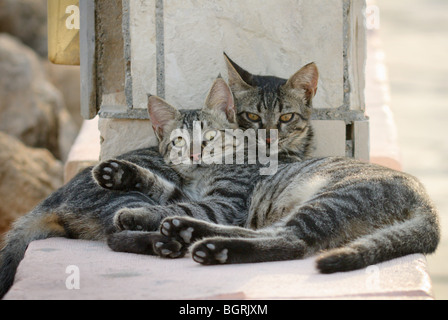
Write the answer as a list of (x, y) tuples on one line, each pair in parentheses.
[(354, 213), (82, 209)]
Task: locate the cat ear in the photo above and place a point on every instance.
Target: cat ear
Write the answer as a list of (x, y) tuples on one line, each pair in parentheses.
[(239, 79), (305, 79), (220, 98), (160, 113)]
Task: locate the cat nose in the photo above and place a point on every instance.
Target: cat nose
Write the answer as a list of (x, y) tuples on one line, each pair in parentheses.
[(195, 156), (271, 135)]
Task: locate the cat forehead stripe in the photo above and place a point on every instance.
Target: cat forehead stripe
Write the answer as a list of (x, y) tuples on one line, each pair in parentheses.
[(269, 100)]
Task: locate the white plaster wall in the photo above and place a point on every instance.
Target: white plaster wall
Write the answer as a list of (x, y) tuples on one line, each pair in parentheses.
[(264, 36), (143, 50), (119, 136)]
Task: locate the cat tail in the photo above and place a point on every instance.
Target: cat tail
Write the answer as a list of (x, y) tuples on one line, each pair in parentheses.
[(419, 234), (33, 226)]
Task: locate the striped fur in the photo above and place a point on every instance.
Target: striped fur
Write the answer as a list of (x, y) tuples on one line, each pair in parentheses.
[(352, 213)]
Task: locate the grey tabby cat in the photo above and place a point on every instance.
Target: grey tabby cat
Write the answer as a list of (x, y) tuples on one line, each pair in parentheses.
[(82, 209), (353, 213)]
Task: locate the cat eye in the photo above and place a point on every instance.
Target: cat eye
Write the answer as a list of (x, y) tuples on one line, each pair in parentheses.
[(210, 135), (179, 142), (286, 117), (253, 117)]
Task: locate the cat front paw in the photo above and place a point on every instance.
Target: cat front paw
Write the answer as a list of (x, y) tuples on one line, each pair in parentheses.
[(170, 248), (140, 242), (117, 175), (210, 252)]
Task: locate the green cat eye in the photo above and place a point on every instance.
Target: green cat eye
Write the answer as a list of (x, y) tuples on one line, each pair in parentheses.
[(253, 117), (287, 117), (179, 142)]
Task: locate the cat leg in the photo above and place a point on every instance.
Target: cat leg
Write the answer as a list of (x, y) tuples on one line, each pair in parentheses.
[(181, 230), (123, 175), (141, 242), (188, 230), (138, 219), (228, 244), (177, 234), (149, 218), (220, 250)]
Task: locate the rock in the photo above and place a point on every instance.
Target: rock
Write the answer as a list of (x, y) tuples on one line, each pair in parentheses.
[(68, 131), (31, 108), (27, 176), (67, 80), (26, 20)]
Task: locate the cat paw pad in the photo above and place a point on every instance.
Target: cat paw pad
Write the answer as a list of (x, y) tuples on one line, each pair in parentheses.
[(177, 228), (108, 174), (116, 175), (209, 253)]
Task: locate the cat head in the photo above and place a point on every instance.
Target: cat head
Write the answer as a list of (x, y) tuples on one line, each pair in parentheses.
[(268, 102), (190, 138)]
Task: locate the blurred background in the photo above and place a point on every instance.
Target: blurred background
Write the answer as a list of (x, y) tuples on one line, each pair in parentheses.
[(40, 117), (414, 35), (39, 110)]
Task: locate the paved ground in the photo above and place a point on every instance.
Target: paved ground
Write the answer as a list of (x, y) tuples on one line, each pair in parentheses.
[(415, 40)]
